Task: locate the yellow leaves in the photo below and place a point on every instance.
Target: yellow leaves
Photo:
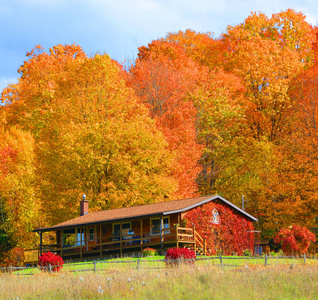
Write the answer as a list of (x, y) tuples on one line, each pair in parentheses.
[(17, 186)]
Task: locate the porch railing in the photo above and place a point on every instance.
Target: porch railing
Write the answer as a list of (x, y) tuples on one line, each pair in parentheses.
[(101, 245)]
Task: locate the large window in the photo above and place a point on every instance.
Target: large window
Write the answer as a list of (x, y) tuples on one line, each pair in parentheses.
[(126, 227), (155, 225), (73, 237), (80, 236), (215, 217)]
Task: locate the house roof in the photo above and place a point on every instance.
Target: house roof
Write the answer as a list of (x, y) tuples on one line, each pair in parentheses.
[(155, 209)]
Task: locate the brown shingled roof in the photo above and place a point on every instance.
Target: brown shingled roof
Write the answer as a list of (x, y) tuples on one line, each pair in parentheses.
[(162, 208)]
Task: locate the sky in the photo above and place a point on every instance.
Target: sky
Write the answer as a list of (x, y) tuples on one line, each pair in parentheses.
[(118, 27)]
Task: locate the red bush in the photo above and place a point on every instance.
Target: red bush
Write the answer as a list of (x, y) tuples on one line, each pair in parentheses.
[(295, 240), (52, 259), (173, 255)]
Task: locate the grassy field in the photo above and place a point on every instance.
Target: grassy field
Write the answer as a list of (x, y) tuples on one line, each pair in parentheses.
[(183, 282), (157, 262)]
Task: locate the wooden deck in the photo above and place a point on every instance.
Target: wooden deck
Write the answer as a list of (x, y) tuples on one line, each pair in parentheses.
[(136, 242)]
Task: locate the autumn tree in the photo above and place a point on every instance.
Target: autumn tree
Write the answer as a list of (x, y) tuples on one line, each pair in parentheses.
[(19, 206), (200, 47), (92, 134), (302, 142), (267, 53), (266, 58), (295, 239), (163, 77)]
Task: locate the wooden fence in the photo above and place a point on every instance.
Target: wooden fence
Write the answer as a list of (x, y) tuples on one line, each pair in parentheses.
[(220, 261)]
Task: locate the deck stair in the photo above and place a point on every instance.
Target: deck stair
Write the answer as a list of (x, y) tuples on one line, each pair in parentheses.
[(190, 238)]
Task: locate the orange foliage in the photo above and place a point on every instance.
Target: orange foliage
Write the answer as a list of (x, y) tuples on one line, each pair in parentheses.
[(163, 77), (235, 116)]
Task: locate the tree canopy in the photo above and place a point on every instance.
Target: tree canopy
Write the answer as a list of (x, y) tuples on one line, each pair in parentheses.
[(192, 115)]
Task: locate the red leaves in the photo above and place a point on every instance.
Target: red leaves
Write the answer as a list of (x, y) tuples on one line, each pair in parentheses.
[(163, 78), (14, 257), (295, 240), (8, 156), (174, 254), (52, 259), (232, 235)]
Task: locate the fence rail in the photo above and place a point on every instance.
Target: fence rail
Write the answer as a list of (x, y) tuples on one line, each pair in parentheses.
[(100, 265)]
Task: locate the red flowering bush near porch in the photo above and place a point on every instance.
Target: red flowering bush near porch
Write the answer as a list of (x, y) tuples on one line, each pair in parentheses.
[(295, 240), (52, 259), (174, 255)]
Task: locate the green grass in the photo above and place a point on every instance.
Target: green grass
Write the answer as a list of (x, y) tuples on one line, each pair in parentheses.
[(156, 262), (183, 282)]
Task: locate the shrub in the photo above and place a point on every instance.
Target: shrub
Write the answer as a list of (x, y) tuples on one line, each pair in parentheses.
[(149, 252), (52, 259), (175, 255), (247, 252), (295, 239)]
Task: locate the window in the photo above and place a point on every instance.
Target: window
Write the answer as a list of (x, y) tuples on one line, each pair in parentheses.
[(69, 237), (80, 236), (73, 237), (156, 225), (215, 217), (125, 228), (91, 236)]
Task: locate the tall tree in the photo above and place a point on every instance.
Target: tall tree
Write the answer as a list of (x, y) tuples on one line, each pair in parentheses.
[(92, 134), (19, 202), (200, 47), (163, 77), (267, 54)]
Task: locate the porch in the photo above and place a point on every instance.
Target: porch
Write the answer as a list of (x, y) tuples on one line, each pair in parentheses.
[(83, 242)]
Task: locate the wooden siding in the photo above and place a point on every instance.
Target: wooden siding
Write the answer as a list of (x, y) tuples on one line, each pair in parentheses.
[(140, 237)]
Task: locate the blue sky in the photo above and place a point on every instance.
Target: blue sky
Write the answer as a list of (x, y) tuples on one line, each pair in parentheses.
[(117, 27)]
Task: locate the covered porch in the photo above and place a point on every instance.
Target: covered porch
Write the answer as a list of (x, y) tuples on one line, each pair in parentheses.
[(122, 237)]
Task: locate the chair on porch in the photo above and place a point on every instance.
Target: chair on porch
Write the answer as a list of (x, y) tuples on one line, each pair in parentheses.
[(127, 236), (146, 238)]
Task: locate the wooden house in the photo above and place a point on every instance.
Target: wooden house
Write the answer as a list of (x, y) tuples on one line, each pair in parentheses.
[(131, 229)]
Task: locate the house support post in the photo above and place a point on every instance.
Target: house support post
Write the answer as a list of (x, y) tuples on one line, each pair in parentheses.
[(86, 238), (40, 243), (161, 232), (121, 238), (177, 238), (100, 241), (61, 243), (141, 235), (81, 246)]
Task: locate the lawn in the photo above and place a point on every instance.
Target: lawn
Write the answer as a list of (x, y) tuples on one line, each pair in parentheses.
[(184, 282), (157, 262)]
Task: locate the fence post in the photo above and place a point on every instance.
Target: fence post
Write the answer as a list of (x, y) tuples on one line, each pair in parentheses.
[(10, 270), (50, 268), (221, 262), (265, 260), (94, 266), (138, 264), (304, 258)]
